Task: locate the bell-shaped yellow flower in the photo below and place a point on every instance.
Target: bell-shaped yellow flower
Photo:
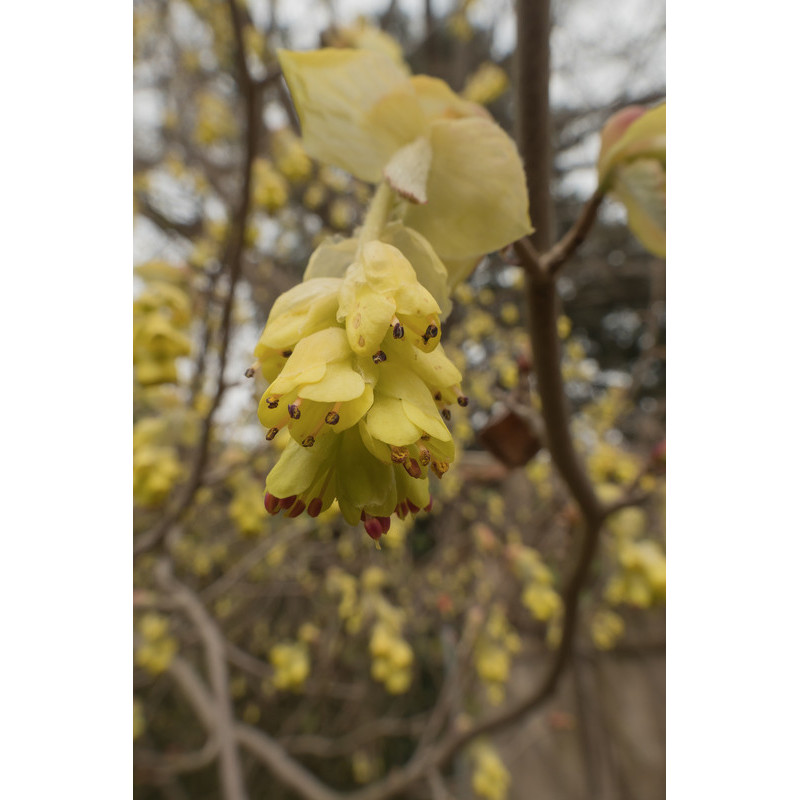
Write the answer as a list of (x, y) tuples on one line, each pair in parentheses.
[(459, 170), (305, 309), (320, 389), (381, 291), (632, 165)]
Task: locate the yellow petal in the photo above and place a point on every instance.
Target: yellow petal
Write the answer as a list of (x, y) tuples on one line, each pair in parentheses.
[(641, 186), (430, 270), (407, 170), (386, 269), (477, 197), (310, 358), (340, 383), (368, 321), (437, 100), (331, 259), (388, 422), (434, 368), (302, 310), (333, 90)]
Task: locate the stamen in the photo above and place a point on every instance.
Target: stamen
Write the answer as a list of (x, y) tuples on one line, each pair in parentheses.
[(373, 527), (286, 353), (271, 503), (399, 454), (251, 370), (294, 409), (297, 509), (331, 418), (463, 401), (314, 507), (431, 332), (386, 523), (379, 357), (272, 433), (288, 502), (446, 413), (308, 441), (424, 456), (438, 397), (412, 507), (412, 467), (425, 436), (397, 328), (439, 467), (272, 401)]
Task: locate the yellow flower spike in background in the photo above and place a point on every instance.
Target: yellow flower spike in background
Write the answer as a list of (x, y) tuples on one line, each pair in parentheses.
[(632, 166), (359, 111)]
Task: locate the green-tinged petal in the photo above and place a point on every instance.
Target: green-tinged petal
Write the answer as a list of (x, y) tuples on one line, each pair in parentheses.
[(632, 133), (407, 170), (427, 418), (396, 119), (641, 186), (388, 422), (298, 466), (333, 90), (417, 490), (430, 270), (368, 321), (331, 259), (303, 310), (361, 480), (477, 197), (340, 383), (376, 447)]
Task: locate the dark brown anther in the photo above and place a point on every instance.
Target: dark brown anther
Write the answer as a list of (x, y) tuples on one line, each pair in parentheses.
[(286, 353), (294, 411), (425, 437), (399, 454), (424, 456), (331, 418), (379, 357), (437, 397), (397, 331), (463, 401), (413, 468), (308, 441), (249, 372), (431, 332), (271, 434), (272, 401), (446, 413), (439, 467)]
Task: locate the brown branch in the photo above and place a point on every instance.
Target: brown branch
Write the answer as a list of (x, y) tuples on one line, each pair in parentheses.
[(231, 778), (233, 267), (574, 237)]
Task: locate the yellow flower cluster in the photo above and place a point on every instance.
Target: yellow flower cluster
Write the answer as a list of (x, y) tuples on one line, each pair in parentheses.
[(490, 778), (357, 374), (291, 664), (214, 121), (161, 314), (494, 649), (290, 156), (246, 508), (270, 190), (606, 628), (158, 648), (538, 594), (156, 466)]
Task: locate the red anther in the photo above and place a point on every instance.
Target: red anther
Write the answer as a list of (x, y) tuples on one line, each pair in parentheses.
[(414, 509), (288, 502), (297, 509), (386, 523), (271, 503), (373, 527), (314, 507), (401, 511), (430, 505)]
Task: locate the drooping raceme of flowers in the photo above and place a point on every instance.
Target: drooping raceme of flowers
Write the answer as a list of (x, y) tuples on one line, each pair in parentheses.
[(353, 355)]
